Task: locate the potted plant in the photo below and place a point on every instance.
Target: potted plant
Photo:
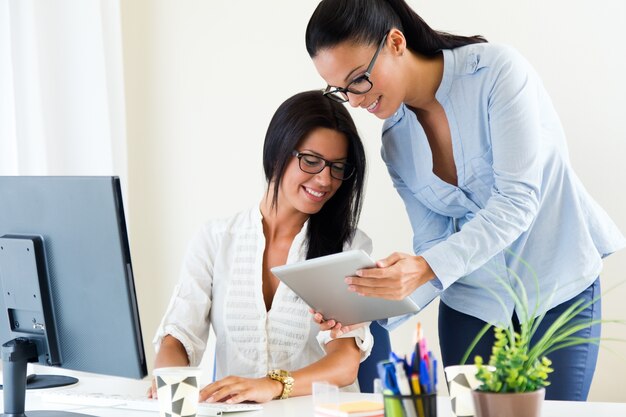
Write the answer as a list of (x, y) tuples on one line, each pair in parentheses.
[(513, 381)]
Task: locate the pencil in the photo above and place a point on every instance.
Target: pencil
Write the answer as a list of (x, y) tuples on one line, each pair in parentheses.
[(417, 391)]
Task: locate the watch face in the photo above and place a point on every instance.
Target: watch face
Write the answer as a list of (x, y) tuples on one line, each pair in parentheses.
[(279, 374)]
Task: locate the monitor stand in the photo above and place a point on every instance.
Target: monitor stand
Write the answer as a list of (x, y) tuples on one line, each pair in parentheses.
[(15, 356), (41, 381)]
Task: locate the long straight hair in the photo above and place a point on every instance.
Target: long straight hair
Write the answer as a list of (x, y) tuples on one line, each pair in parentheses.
[(365, 22), (335, 224)]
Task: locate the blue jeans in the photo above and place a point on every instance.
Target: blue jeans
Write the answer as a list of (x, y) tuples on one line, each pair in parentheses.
[(573, 366)]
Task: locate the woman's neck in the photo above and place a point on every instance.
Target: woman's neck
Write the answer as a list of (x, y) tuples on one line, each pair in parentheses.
[(278, 222), (423, 77)]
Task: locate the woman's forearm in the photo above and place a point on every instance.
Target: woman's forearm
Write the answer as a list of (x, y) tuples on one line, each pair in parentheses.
[(339, 367), (171, 353)]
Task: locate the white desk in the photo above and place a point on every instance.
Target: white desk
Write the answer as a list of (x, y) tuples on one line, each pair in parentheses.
[(296, 407)]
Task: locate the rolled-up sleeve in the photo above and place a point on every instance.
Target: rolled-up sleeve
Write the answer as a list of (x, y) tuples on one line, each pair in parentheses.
[(362, 337)]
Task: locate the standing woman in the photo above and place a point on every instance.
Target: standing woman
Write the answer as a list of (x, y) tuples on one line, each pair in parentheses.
[(477, 152), (267, 345)]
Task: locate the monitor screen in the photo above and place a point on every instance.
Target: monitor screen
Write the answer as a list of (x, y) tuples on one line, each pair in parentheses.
[(66, 276)]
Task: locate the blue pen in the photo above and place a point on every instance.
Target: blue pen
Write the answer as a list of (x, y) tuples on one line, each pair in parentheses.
[(434, 375), (382, 374), (414, 363), (424, 377), (387, 373), (393, 357), (431, 369), (405, 389)]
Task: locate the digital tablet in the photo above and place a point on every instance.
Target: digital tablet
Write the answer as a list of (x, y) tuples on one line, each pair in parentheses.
[(320, 283)]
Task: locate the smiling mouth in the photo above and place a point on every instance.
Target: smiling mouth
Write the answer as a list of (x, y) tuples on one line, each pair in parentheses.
[(316, 194), (373, 105)]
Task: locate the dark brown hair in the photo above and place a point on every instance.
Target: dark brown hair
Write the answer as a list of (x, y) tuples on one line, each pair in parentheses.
[(335, 224)]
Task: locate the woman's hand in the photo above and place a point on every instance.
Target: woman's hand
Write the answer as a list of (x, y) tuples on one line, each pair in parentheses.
[(152, 391), (396, 277), (235, 389), (336, 329)]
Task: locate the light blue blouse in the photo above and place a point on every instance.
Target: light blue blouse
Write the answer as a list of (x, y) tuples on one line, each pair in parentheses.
[(518, 199)]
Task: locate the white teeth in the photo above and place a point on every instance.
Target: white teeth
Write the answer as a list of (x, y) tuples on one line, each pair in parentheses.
[(371, 106), (315, 193)]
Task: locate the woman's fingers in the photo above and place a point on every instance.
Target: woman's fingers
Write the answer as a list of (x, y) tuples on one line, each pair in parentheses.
[(392, 259), (319, 319), (234, 389), (395, 282), (218, 391), (152, 391)]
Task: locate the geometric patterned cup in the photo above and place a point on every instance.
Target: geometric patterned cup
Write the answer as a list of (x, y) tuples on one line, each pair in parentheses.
[(178, 391), (461, 381)]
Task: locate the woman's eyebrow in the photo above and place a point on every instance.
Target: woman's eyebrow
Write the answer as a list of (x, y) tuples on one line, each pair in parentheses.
[(311, 151), (348, 77)]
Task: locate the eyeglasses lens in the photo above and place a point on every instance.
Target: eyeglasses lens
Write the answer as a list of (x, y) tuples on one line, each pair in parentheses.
[(312, 164)]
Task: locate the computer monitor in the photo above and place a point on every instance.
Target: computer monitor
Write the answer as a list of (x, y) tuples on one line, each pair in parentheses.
[(68, 291)]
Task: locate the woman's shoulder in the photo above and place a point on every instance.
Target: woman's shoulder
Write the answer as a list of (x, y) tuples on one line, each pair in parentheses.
[(393, 121), (471, 58), (205, 245), (241, 222), (486, 50), (360, 240), (360, 234)]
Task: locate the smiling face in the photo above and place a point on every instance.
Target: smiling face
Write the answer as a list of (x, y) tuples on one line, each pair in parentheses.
[(307, 193), (341, 64)]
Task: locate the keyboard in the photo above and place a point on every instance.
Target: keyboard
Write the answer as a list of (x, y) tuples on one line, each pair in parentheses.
[(135, 402)]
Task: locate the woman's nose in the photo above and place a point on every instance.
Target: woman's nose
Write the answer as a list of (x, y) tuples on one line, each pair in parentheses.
[(355, 100), (323, 177)]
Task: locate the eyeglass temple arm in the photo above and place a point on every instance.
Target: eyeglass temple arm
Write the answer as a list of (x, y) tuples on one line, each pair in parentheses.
[(373, 61), (329, 89)]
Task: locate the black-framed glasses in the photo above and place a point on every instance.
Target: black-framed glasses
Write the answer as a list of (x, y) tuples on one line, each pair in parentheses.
[(313, 164), (360, 85)]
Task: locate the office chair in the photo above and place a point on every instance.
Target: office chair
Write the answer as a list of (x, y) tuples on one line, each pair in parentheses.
[(380, 352)]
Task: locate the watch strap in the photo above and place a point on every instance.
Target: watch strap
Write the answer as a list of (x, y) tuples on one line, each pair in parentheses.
[(285, 378)]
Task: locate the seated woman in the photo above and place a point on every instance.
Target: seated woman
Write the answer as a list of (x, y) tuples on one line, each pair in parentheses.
[(267, 345)]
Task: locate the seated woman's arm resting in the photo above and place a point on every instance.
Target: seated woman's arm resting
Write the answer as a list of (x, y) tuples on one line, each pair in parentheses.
[(339, 367)]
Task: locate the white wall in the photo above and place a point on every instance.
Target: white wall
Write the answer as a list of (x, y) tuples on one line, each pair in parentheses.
[(204, 77)]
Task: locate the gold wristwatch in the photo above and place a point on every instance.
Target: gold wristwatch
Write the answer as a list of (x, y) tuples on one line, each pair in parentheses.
[(285, 378)]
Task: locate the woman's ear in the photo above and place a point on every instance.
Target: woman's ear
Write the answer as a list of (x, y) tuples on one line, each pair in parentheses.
[(396, 41)]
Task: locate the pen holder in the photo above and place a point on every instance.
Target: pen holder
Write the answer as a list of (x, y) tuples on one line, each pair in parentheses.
[(418, 405)]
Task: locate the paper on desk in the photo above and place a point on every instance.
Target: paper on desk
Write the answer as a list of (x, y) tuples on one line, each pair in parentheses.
[(351, 409)]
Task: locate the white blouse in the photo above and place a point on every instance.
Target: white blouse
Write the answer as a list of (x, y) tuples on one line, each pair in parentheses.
[(221, 285)]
